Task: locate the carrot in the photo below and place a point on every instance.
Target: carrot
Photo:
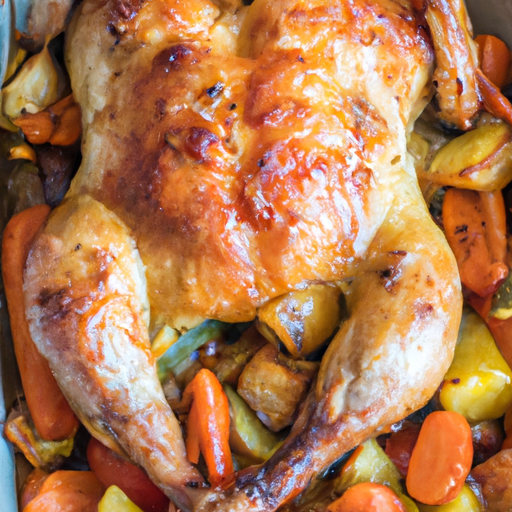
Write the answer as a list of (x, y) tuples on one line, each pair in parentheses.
[(50, 411), (441, 459), (32, 486), (208, 425), (367, 497), (68, 491), (475, 226), (494, 102), (59, 124), (494, 59)]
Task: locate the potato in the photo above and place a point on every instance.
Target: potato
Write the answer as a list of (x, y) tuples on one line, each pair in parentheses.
[(466, 501), (248, 437), (478, 160), (275, 385), (302, 320), (494, 477), (478, 383), (115, 499)]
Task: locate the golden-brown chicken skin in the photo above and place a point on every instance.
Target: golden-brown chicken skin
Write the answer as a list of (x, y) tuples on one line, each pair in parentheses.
[(241, 153)]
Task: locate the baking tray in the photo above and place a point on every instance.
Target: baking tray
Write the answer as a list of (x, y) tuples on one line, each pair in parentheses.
[(488, 17)]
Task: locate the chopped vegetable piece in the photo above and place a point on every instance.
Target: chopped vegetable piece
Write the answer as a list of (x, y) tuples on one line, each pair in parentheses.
[(40, 453), (466, 501), (275, 385), (478, 383), (495, 103), (115, 500), (188, 343), (234, 357), (302, 320), (23, 152), (60, 124), (39, 84), (494, 59), (400, 445), (475, 226), (502, 301), (494, 477), (487, 440), (68, 491), (50, 411), (32, 486), (368, 497), (441, 459), (113, 470), (208, 426), (248, 436), (478, 160), (166, 337)]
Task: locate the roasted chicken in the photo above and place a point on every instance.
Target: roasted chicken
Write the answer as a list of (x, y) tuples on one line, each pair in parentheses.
[(232, 154)]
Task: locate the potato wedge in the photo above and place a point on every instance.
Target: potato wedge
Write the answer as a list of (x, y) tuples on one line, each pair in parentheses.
[(478, 160), (302, 320)]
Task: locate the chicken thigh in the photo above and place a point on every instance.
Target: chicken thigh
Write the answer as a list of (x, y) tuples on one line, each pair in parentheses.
[(232, 154)]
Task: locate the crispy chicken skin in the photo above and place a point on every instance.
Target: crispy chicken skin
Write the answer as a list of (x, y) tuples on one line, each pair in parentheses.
[(230, 155)]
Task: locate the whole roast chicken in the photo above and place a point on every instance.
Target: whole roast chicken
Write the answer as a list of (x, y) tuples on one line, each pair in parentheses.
[(233, 154)]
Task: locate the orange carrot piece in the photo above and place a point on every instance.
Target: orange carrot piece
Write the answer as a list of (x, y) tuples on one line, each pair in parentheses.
[(494, 59), (209, 423), (367, 497), (441, 459), (59, 124), (475, 226), (32, 486), (494, 102), (50, 411), (68, 491)]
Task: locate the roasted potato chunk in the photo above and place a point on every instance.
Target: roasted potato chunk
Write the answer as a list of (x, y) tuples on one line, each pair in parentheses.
[(274, 385), (494, 477), (302, 320)]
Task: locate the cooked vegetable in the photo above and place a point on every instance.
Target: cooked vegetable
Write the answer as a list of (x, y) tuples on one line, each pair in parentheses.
[(274, 385), (67, 491), (487, 440), (32, 486), (302, 320), (478, 160), (502, 301), (40, 453), (39, 84), (478, 383), (441, 459), (208, 426), (234, 357), (115, 500), (494, 59), (400, 444), (23, 152), (166, 337), (494, 477), (466, 501), (186, 344), (59, 124), (475, 226), (113, 470), (248, 436), (50, 411), (495, 103), (368, 497)]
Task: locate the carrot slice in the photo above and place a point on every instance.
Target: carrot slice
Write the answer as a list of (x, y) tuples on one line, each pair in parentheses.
[(68, 491), (367, 497), (52, 416), (494, 102), (475, 226), (441, 459), (208, 425), (494, 59)]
